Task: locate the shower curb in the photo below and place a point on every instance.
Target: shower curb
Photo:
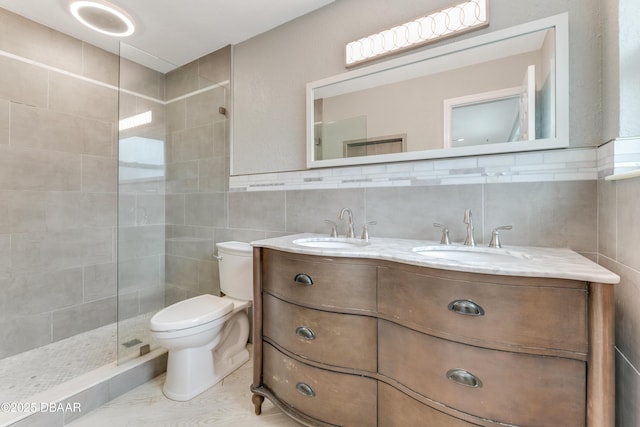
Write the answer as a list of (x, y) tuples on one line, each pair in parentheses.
[(68, 402)]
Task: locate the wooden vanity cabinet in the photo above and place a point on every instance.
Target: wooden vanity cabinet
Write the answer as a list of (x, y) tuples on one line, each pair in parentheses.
[(365, 342)]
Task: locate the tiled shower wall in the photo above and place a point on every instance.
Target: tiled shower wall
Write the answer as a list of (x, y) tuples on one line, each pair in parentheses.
[(59, 199), (197, 173), (57, 185)]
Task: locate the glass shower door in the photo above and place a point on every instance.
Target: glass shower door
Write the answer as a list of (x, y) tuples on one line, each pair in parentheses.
[(141, 198)]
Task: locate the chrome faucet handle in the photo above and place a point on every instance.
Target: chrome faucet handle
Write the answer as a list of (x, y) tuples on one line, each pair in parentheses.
[(365, 231), (444, 240), (350, 233), (468, 219), (334, 227), (495, 236)]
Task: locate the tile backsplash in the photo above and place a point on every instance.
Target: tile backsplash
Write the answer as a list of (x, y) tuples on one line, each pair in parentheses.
[(552, 165)]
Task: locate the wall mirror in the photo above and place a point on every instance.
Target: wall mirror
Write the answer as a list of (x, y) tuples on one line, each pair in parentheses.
[(503, 91)]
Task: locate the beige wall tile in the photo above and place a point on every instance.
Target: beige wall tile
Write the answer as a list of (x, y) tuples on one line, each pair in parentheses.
[(99, 174), (410, 212), (100, 64), (5, 121), (139, 242), (26, 38), (182, 272), (84, 317), (28, 169), (151, 298), (203, 108), (258, 210), (81, 98), (176, 116), (5, 253), (182, 81), (68, 210), (5, 209), (140, 79), (206, 209), (32, 294), (215, 67), (192, 144), (135, 274), (627, 393), (212, 174), (628, 222), (61, 249), (45, 129), (174, 209), (23, 83), (552, 214), (100, 281), (27, 211), (607, 208), (24, 333)]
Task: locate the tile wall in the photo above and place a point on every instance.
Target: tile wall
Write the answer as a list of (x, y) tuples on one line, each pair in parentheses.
[(197, 173), (58, 112), (60, 200), (619, 237)]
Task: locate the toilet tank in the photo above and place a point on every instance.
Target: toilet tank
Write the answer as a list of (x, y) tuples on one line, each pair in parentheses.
[(235, 264)]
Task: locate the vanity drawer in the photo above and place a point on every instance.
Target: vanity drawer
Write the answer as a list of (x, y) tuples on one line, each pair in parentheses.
[(397, 409), (533, 317), (340, 399), (344, 340), (512, 388), (341, 283)]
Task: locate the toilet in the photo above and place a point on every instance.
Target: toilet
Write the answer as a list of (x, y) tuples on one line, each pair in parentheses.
[(206, 336)]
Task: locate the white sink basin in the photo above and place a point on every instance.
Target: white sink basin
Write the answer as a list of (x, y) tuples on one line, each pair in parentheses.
[(470, 254), (331, 242)]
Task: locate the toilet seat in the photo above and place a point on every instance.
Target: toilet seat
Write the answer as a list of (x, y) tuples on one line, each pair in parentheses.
[(190, 313)]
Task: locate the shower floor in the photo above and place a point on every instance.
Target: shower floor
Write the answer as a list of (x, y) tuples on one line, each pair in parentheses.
[(43, 368)]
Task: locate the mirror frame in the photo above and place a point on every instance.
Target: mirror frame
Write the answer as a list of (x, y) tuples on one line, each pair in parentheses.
[(561, 139)]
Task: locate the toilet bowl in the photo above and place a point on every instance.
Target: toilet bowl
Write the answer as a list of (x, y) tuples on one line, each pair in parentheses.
[(206, 336)]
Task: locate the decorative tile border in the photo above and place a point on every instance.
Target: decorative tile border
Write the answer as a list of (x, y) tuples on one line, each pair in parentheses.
[(578, 164), (619, 158)]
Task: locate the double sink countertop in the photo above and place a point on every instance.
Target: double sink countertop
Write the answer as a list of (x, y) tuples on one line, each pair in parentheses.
[(506, 261)]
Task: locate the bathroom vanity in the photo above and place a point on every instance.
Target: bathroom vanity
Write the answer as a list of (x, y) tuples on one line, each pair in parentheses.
[(400, 332)]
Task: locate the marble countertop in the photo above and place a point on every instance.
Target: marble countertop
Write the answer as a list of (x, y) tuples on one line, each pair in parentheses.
[(527, 261)]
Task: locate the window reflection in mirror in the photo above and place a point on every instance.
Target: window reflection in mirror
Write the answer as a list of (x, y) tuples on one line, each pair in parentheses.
[(494, 93)]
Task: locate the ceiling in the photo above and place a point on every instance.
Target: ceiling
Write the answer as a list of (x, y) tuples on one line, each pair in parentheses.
[(176, 31)]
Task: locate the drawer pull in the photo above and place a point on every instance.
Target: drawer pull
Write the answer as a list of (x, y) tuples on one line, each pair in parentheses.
[(466, 307), (306, 333), (305, 389), (463, 377), (303, 279)]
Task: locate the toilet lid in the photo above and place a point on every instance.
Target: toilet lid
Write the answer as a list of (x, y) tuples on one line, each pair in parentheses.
[(190, 312)]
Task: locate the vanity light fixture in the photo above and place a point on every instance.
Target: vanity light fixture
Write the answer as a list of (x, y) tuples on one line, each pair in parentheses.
[(102, 17), (457, 19)]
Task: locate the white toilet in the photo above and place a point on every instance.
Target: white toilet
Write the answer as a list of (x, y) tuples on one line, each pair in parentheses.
[(207, 335)]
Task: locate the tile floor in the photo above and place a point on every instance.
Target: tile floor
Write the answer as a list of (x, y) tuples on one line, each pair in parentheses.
[(41, 369), (226, 404)]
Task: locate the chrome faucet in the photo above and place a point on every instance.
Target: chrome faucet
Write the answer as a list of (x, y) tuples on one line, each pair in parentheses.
[(495, 236), (444, 240), (469, 241), (350, 233)]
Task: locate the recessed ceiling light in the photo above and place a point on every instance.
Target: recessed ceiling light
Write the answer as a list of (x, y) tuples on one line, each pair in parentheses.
[(103, 17)]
